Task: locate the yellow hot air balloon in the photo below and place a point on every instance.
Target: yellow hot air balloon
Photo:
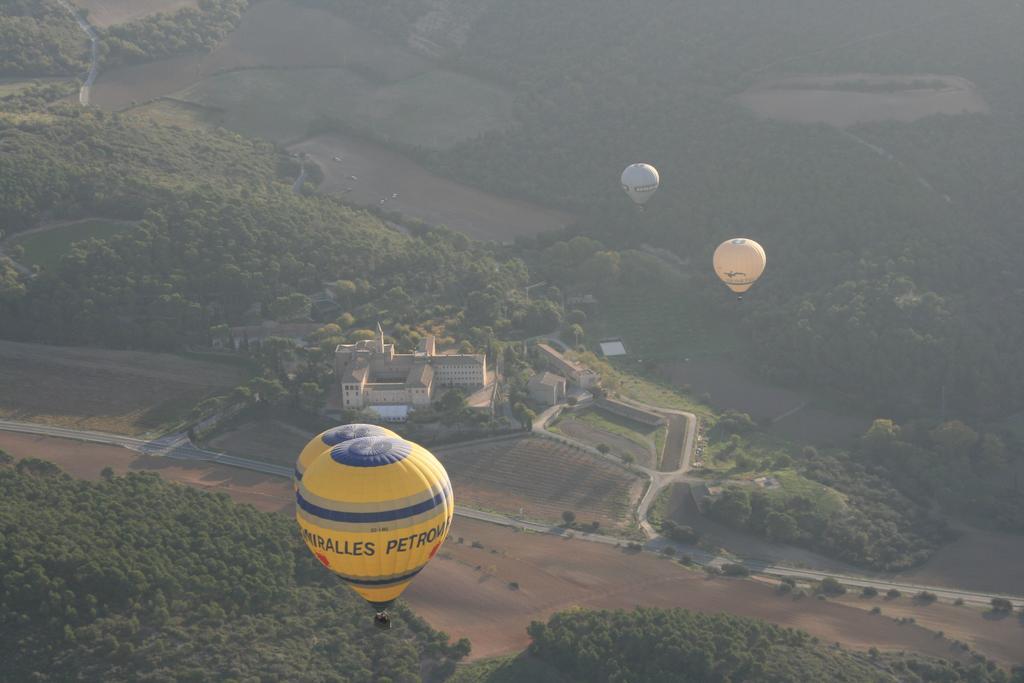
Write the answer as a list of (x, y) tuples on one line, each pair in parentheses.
[(330, 438), (375, 511), (739, 263)]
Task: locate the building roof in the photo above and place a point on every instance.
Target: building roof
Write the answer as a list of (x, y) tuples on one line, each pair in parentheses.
[(355, 373), (547, 380), (420, 376), (612, 347), (560, 359)]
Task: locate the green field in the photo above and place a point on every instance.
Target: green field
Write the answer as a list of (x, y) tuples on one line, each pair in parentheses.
[(45, 248), (616, 425), (435, 109)]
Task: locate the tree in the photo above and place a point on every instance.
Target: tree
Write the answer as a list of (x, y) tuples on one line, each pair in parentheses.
[(577, 332), (781, 526), (569, 517), (733, 507), (295, 306), (310, 397), (270, 392), (830, 586), (604, 448), (1001, 606)]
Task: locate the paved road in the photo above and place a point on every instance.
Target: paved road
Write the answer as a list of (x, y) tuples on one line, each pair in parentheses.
[(94, 39), (179, 447)]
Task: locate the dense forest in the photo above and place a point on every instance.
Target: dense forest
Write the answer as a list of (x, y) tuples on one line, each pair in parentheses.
[(162, 35), (40, 38), (679, 646), (217, 234), (134, 579)]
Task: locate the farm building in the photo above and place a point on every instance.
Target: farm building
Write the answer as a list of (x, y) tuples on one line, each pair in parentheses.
[(629, 412), (546, 388), (372, 374), (574, 372)]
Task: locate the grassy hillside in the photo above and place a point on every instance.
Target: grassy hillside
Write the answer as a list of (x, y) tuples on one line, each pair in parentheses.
[(133, 579)]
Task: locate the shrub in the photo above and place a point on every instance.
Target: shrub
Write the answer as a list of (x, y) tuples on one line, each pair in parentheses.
[(730, 569), (876, 610), (668, 551), (830, 586), (926, 597), (1001, 606), (513, 585), (869, 592), (893, 594), (477, 544), (569, 517)]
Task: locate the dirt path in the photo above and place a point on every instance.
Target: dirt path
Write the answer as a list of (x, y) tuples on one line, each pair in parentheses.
[(94, 61)]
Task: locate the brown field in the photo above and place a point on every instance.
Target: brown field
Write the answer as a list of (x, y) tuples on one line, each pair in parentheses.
[(104, 13), (273, 33), (87, 460), (999, 638), (978, 560), (557, 573), (731, 387), (269, 441), (543, 478), (124, 392), (816, 99), (421, 194)]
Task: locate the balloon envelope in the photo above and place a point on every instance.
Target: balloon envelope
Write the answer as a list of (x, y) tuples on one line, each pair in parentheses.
[(374, 511), (326, 440), (640, 181), (739, 263)]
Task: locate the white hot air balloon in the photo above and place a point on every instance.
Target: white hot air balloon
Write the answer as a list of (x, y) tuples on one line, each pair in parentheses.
[(739, 263), (640, 181)]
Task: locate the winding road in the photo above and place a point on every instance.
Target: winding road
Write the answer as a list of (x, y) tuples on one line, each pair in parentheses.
[(179, 447), (94, 43)]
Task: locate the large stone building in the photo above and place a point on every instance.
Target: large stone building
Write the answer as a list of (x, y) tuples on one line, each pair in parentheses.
[(371, 374), (576, 373)]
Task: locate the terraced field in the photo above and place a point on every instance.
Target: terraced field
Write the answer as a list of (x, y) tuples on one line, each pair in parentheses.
[(544, 478)]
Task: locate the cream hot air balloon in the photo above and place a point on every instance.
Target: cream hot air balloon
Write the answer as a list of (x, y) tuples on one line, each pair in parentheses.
[(640, 181), (739, 263)]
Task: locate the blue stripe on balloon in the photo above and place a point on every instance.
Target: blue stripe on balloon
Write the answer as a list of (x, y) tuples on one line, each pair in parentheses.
[(371, 452), (369, 517), (381, 582), (298, 475)]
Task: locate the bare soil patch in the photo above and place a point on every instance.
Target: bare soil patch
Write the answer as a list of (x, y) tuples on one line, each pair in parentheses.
[(381, 173), (105, 13), (270, 441), (87, 460), (1000, 638), (796, 415), (543, 478), (849, 99), (979, 560), (124, 392), (556, 573)]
